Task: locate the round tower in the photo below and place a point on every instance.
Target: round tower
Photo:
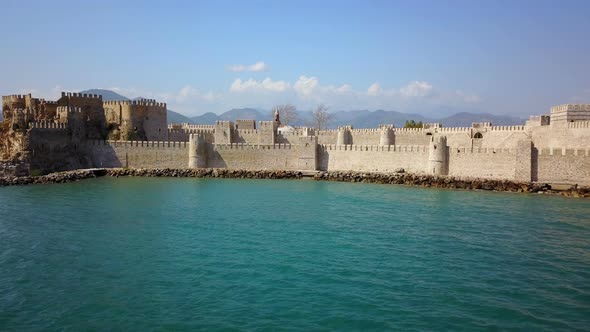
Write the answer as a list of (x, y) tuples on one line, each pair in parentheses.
[(386, 137), (344, 136), (437, 157), (197, 151)]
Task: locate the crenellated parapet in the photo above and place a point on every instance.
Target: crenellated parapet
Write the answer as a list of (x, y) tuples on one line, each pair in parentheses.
[(561, 114), (80, 95), (139, 102), (47, 124), (189, 126)]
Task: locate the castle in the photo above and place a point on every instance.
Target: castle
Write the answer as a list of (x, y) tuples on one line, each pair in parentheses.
[(83, 131)]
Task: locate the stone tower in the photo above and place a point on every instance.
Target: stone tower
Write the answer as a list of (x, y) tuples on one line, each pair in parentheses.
[(386, 137), (267, 132), (197, 153), (223, 132), (437, 157), (344, 135)]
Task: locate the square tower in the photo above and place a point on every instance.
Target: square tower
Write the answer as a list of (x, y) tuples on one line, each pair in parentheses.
[(223, 132), (267, 132)]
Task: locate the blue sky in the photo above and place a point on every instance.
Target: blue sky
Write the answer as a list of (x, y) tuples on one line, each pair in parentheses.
[(431, 57)]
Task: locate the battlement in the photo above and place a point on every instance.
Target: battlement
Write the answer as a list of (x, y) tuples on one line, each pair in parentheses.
[(143, 144), (370, 148), (246, 146), (578, 124), (47, 125), (15, 97), (462, 149), (454, 130), (140, 102), (191, 131), (345, 128), (81, 95), (366, 130), (571, 107), (189, 126), (69, 109), (408, 130), (507, 128)]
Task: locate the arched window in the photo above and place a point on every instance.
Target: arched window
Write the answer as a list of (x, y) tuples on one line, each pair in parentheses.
[(478, 135), (428, 134)]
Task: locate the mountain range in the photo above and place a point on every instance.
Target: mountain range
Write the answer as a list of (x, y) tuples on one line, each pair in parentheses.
[(358, 119)]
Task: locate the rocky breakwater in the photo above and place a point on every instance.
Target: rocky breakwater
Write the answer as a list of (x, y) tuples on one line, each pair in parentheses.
[(399, 178), (61, 177), (423, 180), (205, 173)]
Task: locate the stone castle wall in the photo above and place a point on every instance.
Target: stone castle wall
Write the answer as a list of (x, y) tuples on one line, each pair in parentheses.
[(372, 158), (256, 157), (561, 166), (138, 154)]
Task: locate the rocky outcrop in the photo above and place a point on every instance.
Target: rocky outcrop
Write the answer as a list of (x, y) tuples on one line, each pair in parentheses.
[(399, 178)]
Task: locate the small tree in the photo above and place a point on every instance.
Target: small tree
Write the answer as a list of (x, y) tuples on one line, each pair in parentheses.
[(287, 113), (413, 124), (320, 117)]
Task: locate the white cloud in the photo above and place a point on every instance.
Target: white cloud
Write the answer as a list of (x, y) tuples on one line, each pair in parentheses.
[(305, 85), (257, 67), (253, 85), (344, 88), (374, 89), (416, 89), (305, 92)]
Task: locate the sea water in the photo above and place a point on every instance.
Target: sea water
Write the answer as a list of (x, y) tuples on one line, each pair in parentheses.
[(185, 254)]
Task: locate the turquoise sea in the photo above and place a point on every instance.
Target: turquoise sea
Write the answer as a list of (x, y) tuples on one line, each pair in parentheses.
[(141, 254)]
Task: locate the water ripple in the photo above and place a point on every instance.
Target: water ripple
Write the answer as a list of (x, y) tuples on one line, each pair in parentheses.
[(186, 254)]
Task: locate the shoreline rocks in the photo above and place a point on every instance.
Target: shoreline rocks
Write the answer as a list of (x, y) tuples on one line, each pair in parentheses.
[(398, 178)]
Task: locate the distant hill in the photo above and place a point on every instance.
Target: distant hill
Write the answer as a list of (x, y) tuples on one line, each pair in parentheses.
[(465, 119), (358, 118), (107, 95), (174, 117), (363, 118)]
